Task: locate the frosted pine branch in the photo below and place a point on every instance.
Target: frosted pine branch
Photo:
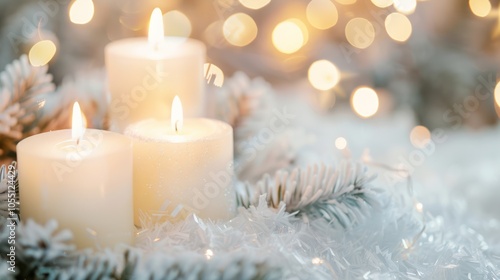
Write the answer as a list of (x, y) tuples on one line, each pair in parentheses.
[(21, 97), (342, 195)]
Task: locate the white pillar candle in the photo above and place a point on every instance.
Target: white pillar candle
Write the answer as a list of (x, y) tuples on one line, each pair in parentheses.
[(145, 75), (81, 179), (182, 167)]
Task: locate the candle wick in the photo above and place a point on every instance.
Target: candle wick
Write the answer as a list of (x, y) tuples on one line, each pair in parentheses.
[(176, 130), (77, 141)]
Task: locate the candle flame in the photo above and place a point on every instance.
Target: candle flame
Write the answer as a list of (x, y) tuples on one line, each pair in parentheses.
[(177, 116), (156, 33), (78, 127)]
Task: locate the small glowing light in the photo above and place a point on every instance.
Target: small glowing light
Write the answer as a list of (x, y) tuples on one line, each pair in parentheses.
[(382, 3), (213, 74), (77, 127), (176, 23), (177, 115), (365, 102), (322, 14), (209, 254), (480, 8), (340, 143), (81, 11), (360, 33), (156, 34), (239, 29), (289, 36), (405, 243), (317, 261), (346, 2), (398, 26), (405, 6), (41, 53), (366, 157), (419, 206), (323, 75), (254, 4), (420, 136), (497, 94)]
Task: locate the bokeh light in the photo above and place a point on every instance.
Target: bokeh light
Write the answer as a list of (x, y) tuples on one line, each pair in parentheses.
[(81, 11), (346, 2), (420, 136), (209, 254), (340, 143), (480, 8), (365, 102), (405, 6), (239, 29), (41, 53), (398, 26), (497, 94), (254, 4), (360, 33), (322, 14), (323, 75), (382, 3), (289, 36), (176, 24), (213, 74)]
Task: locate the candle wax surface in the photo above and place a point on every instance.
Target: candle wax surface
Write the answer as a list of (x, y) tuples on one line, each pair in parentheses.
[(86, 187), (185, 172)]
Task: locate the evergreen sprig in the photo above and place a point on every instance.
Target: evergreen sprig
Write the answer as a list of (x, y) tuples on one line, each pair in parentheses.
[(21, 97), (342, 195)]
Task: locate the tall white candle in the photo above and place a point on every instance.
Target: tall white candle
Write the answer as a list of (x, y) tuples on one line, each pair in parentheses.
[(144, 75), (83, 179), (182, 167)]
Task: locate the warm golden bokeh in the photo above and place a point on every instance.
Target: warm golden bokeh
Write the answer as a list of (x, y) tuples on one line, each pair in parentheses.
[(420, 136), (382, 3), (340, 143), (480, 8), (398, 26), (346, 2), (176, 24), (365, 102), (405, 6), (254, 4), (360, 33), (322, 14), (497, 94), (213, 74), (239, 29), (41, 53), (323, 75), (81, 11), (289, 36)]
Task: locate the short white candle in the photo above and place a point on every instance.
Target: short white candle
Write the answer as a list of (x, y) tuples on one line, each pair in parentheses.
[(145, 75), (85, 186), (182, 167)]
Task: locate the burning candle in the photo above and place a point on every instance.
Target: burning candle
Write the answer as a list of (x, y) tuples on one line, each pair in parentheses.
[(182, 167), (144, 74), (83, 179)]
